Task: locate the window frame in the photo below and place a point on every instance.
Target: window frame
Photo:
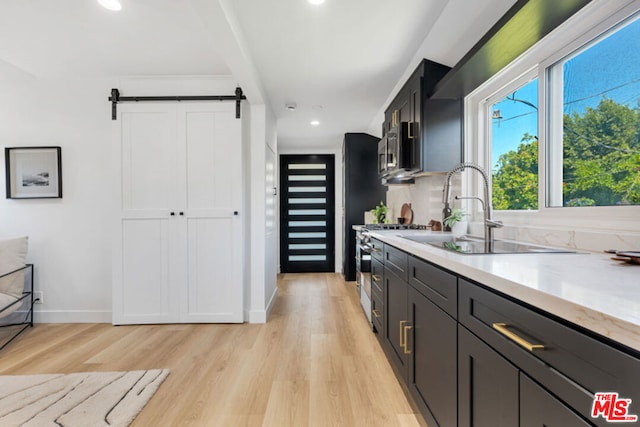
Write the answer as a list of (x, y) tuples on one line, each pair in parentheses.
[(588, 24)]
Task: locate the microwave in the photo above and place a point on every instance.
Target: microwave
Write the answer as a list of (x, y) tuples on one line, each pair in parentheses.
[(397, 155)]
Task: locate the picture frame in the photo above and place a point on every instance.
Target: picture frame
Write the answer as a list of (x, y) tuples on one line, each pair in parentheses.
[(33, 172)]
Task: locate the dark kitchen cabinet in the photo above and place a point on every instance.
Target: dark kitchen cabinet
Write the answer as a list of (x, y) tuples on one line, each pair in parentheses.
[(493, 392), (420, 337), (395, 303), (431, 365), (568, 363), (539, 408), (396, 319), (362, 191), (471, 356), (442, 133), (428, 144), (487, 385)]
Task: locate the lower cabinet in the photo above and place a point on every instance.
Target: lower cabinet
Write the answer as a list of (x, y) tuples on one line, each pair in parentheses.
[(421, 344), (472, 357), (487, 385), (395, 304), (493, 392), (431, 364), (538, 408)]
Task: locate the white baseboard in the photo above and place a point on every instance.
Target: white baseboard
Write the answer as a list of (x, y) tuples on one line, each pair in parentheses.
[(260, 316), (78, 316)]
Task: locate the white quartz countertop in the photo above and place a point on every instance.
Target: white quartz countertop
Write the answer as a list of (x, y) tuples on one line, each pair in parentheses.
[(588, 289)]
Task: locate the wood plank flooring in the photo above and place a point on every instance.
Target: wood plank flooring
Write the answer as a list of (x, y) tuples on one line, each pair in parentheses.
[(314, 363)]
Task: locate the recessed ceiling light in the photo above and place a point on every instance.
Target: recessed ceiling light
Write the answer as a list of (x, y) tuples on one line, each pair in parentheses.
[(316, 1), (110, 4), (315, 123)]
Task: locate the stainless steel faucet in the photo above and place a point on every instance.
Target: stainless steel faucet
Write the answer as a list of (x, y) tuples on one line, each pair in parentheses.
[(489, 222)]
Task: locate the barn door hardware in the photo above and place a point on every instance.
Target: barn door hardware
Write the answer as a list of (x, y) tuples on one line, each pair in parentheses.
[(115, 98)]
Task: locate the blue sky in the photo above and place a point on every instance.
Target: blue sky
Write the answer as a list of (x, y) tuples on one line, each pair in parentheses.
[(609, 69)]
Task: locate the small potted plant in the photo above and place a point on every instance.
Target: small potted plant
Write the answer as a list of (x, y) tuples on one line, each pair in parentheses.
[(456, 221), (380, 214)]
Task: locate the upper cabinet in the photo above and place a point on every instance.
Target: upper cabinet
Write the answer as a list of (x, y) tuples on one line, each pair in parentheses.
[(423, 135)]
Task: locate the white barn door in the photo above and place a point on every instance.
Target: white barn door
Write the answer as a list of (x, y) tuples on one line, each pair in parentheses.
[(178, 248)]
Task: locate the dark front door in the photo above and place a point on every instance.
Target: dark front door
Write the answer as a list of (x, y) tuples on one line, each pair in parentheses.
[(307, 213)]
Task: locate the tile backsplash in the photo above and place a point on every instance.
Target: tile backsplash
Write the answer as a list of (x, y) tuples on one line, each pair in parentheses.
[(425, 197)]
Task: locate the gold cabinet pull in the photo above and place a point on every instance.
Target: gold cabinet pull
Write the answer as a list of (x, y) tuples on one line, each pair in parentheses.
[(409, 130), (376, 313), (402, 342), (406, 342), (502, 328), (376, 277), (376, 250)]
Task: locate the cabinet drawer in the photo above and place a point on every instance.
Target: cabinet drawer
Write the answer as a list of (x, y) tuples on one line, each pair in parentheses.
[(377, 277), (396, 261), (572, 365), (377, 248), (440, 286)]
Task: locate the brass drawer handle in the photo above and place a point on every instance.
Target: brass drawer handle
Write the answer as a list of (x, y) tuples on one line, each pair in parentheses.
[(402, 342), (376, 313), (376, 250), (406, 342), (502, 328), (376, 277)]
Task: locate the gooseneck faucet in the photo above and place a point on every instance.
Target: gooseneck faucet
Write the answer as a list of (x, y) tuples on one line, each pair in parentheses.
[(489, 222)]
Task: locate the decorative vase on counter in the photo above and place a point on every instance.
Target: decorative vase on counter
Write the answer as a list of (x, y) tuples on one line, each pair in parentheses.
[(460, 228)]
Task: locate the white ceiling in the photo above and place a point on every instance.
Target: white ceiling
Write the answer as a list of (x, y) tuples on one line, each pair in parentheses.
[(348, 56)]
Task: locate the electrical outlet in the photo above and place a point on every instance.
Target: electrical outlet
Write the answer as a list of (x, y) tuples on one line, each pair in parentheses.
[(38, 297)]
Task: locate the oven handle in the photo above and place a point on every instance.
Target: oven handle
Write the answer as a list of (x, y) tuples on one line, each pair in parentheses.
[(365, 248)]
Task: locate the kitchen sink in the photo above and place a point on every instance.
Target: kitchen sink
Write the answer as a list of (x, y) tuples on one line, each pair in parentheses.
[(471, 245), (433, 237)]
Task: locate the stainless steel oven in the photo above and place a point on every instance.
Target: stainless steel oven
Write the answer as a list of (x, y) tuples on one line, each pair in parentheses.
[(363, 259), (363, 270)]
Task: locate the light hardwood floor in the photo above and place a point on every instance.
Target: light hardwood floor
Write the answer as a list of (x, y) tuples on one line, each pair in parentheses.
[(314, 363)]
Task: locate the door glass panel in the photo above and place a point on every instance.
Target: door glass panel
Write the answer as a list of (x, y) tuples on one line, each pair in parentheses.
[(303, 166), (321, 235), (307, 246), (307, 189), (307, 201), (307, 223), (307, 212), (307, 257), (307, 178)]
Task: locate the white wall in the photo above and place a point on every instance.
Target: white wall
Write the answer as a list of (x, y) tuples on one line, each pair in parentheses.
[(70, 238), (262, 240)]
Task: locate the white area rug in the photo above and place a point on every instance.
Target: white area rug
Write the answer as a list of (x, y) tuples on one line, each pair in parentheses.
[(88, 399)]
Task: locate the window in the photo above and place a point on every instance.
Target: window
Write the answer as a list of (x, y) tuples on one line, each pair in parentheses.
[(560, 127), (594, 117), (514, 149)]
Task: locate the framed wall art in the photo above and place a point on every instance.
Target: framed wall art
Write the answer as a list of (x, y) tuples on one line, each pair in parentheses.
[(33, 172)]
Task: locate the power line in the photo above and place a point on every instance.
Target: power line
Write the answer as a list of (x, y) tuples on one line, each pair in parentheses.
[(603, 92)]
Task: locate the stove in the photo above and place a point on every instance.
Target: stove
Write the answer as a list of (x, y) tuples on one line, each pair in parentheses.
[(396, 227), (363, 259)]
